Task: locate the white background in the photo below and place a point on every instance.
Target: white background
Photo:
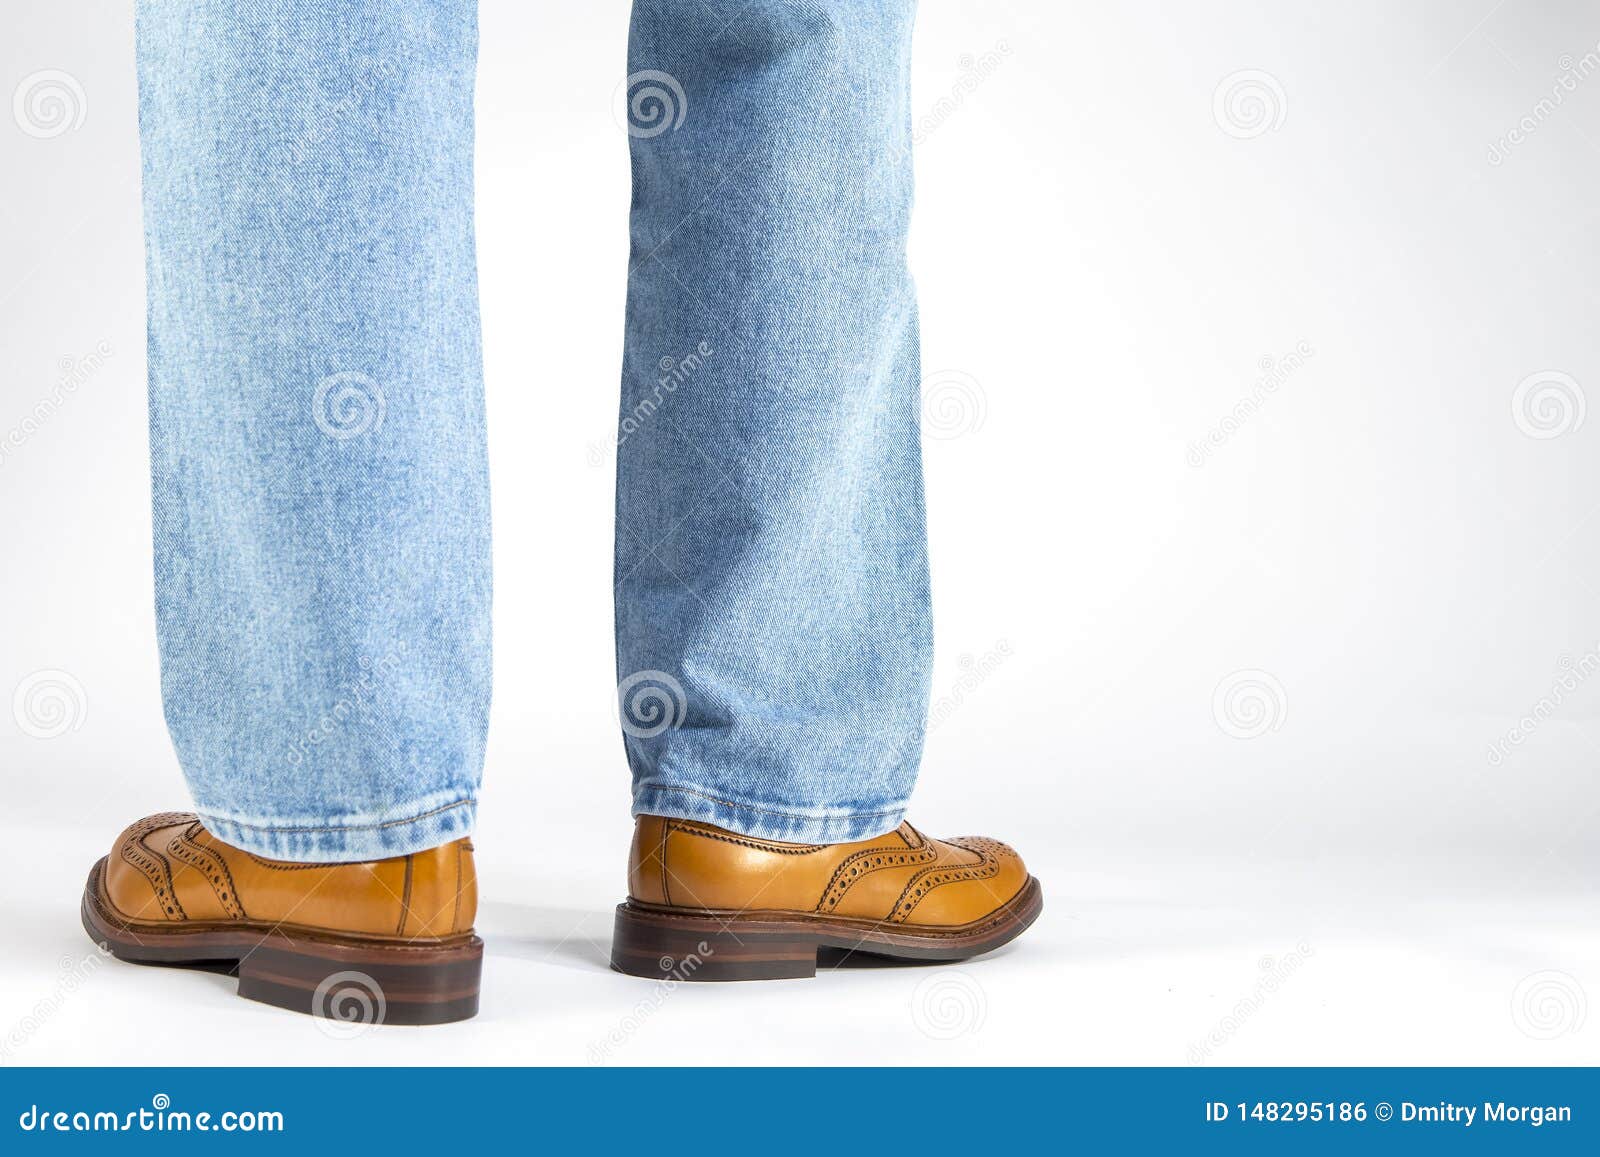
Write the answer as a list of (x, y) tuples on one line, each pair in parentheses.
[(1110, 259)]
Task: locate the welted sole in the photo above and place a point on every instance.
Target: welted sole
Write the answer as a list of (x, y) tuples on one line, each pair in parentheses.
[(349, 980), (676, 944)]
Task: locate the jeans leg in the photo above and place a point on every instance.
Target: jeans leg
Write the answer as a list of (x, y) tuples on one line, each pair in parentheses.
[(316, 417), (773, 626)]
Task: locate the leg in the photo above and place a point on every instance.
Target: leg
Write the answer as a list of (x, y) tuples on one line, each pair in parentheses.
[(316, 407), (321, 505), (773, 629)]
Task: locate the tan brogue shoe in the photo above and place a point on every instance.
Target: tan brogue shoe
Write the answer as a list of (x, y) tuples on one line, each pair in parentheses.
[(709, 904), (383, 941)]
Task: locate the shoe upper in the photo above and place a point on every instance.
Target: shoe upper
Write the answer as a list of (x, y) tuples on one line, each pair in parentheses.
[(903, 877), (168, 867)]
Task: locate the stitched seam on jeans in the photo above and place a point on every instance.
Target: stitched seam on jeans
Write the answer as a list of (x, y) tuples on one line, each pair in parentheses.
[(772, 811), (352, 827)]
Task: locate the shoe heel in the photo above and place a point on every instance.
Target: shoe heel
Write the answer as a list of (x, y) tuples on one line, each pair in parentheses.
[(353, 988), (669, 946)]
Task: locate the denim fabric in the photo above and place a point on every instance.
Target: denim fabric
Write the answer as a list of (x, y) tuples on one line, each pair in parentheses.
[(316, 416), (773, 627), (317, 426)]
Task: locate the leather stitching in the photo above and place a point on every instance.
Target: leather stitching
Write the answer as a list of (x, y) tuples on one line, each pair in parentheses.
[(855, 868), (925, 881), (147, 867), (213, 867), (405, 898), (158, 872), (661, 854), (166, 866), (154, 867), (278, 866), (455, 914), (750, 841)]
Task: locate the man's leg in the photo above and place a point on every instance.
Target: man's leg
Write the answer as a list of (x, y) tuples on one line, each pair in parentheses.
[(772, 585), (773, 631), (321, 503), (316, 411)]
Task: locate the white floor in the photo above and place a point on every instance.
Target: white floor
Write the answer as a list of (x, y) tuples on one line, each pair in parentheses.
[(1183, 962)]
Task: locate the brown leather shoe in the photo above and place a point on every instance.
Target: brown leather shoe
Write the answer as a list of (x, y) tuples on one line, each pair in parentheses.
[(709, 904), (385, 941)]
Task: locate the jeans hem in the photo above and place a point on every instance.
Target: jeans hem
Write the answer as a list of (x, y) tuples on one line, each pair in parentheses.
[(762, 822), (424, 824)]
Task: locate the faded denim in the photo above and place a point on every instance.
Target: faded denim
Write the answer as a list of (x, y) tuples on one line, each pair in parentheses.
[(771, 559), (318, 456), (316, 417)]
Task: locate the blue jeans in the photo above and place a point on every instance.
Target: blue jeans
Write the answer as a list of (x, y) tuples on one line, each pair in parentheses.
[(317, 419)]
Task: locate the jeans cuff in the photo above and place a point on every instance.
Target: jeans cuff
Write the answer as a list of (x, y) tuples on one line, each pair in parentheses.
[(762, 821), (405, 828)]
